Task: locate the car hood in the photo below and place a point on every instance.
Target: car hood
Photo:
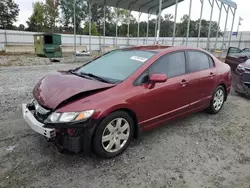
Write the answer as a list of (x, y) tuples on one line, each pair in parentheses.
[(57, 87), (246, 65)]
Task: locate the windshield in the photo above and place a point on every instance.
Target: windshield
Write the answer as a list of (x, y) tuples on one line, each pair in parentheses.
[(237, 52), (246, 51), (117, 65)]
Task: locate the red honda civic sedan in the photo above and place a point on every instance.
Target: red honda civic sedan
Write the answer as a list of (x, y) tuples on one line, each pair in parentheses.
[(103, 104)]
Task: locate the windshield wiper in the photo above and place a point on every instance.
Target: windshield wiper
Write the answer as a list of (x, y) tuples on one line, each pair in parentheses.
[(95, 76), (76, 73), (80, 74)]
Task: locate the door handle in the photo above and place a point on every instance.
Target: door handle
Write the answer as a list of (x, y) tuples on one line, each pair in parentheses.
[(184, 82), (212, 74)]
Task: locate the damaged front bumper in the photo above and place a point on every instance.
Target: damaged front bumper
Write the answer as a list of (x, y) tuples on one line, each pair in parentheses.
[(36, 125), (246, 83), (242, 82), (74, 137)]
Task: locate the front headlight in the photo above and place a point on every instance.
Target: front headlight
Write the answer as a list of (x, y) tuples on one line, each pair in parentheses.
[(70, 116), (241, 67)]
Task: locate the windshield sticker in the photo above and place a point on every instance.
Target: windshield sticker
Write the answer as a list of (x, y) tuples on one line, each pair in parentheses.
[(141, 59)]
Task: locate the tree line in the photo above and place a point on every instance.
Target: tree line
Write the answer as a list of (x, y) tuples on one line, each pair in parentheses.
[(57, 16)]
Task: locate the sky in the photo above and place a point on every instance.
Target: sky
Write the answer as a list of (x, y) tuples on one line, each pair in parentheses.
[(183, 8)]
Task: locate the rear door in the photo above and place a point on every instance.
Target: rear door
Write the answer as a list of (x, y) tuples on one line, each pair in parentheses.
[(202, 77), (234, 57)]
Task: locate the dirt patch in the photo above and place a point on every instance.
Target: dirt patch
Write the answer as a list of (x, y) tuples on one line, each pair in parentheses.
[(22, 60), (8, 60)]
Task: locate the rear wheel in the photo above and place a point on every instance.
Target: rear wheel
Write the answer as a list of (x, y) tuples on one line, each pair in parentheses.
[(217, 100), (113, 134)]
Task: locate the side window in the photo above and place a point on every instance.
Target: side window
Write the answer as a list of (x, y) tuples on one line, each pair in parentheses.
[(232, 52), (211, 61), (197, 61), (172, 65)]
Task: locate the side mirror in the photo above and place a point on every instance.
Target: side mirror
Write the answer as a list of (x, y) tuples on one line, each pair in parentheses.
[(158, 78)]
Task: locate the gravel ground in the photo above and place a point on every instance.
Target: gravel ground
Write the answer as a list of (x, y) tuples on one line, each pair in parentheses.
[(198, 151), (31, 59)]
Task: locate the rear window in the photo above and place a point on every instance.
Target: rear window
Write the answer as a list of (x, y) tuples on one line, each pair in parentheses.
[(117, 65)]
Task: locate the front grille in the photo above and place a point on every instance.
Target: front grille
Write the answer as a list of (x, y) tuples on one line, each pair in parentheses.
[(247, 69), (246, 77), (247, 84)]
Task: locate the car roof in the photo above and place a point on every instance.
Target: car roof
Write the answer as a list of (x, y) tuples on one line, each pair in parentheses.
[(161, 48)]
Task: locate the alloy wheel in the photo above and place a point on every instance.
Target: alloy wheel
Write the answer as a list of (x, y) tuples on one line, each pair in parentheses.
[(115, 135), (218, 99)]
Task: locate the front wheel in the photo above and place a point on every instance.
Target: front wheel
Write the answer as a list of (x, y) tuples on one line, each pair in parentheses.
[(113, 134), (217, 100)]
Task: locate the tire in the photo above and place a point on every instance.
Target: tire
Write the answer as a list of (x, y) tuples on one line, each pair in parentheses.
[(215, 108), (113, 134)]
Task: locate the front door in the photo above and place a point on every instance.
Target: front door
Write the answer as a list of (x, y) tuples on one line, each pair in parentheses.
[(234, 57), (163, 101)]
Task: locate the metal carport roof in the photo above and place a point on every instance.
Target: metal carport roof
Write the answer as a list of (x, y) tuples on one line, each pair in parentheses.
[(155, 7), (145, 6)]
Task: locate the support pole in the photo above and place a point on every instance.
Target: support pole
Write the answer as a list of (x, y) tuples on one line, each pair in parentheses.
[(104, 24), (128, 35), (156, 28), (116, 26), (138, 29), (217, 33), (74, 30), (159, 22), (238, 25), (175, 18), (147, 28), (232, 27), (209, 28), (90, 19), (240, 39), (128, 28), (225, 28), (189, 18), (199, 32)]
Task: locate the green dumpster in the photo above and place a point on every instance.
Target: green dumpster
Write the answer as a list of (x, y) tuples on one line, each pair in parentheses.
[(48, 45)]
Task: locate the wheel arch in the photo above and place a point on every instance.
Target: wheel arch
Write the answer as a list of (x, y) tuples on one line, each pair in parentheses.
[(135, 119), (225, 88), (130, 112)]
